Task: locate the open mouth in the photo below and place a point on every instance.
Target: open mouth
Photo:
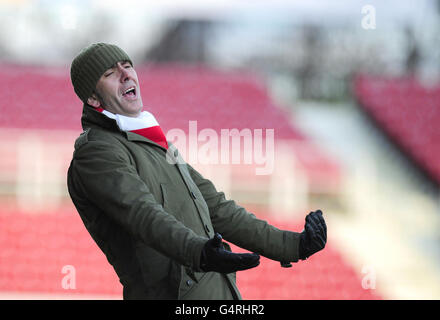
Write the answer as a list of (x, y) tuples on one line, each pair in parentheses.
[(130, 92)]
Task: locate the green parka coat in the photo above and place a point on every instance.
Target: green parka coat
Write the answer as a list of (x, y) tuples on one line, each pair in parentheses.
[(151, 216)]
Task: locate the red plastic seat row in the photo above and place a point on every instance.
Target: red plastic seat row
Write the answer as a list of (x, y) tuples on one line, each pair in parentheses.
[(38, 265), (409, 112)]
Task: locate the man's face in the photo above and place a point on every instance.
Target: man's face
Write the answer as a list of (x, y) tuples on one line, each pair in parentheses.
[(118, 91)]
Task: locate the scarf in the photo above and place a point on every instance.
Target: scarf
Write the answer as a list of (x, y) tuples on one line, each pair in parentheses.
[(145, 125)]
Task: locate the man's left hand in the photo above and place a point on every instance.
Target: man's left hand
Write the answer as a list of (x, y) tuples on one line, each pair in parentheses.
[(314, 236)]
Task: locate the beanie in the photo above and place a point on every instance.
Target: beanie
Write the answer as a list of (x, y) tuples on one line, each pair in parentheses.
[(91, 63)]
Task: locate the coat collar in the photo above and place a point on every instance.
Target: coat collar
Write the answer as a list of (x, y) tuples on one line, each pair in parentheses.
[(93, 119)]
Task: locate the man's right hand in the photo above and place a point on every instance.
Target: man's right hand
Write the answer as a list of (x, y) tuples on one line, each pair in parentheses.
[(216, 258)]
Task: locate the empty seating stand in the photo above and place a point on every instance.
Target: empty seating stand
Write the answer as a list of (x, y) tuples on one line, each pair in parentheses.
[(36, 248), (408, 112)]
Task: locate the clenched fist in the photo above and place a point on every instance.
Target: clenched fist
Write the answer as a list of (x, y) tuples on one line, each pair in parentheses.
[(314, 236)]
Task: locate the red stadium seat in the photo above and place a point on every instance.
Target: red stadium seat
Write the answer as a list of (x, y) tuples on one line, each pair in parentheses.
[(408, 112), (32, 262)]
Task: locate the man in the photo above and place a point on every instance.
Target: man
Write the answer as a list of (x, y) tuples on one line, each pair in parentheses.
[(159, 222)]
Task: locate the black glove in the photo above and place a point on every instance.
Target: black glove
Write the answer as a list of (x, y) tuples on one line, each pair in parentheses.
[(314, 236), (216, 258)]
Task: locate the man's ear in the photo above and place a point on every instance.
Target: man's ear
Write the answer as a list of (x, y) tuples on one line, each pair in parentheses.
[(93, 101)]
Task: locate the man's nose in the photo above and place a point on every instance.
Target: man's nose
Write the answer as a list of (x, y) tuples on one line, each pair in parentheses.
[(124, 73)]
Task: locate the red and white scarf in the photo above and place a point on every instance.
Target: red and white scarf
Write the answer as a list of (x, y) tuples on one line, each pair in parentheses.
[(145, 125)]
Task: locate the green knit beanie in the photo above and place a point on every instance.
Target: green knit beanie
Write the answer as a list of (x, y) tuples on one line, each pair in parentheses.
[(90, 64)]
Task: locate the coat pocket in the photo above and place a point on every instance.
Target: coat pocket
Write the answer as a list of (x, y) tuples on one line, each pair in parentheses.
[(177, 202), (171, 201)]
